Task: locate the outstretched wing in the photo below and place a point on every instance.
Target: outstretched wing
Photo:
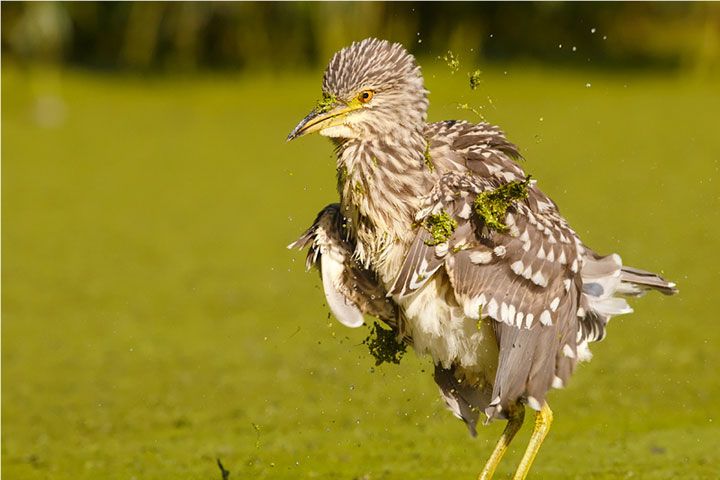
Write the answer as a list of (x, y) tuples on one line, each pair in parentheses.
[(350, 289)]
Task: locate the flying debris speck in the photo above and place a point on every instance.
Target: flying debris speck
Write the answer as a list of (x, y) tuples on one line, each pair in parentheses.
[(452, 61), (475, 79)]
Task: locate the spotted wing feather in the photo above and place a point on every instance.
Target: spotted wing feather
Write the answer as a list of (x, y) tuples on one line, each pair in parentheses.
[(350, 289), (518, 276)]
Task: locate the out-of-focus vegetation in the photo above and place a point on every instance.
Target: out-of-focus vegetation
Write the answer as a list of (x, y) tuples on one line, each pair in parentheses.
[(193, 35), (153, 320)]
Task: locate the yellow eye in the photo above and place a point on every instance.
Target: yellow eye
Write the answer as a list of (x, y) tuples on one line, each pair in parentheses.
[(365, 96)]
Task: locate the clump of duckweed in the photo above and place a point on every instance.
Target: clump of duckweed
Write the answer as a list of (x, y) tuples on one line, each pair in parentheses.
[(452, 61), (475, 79), (384, 345), (492, 205), (326, 104), (441, 226)]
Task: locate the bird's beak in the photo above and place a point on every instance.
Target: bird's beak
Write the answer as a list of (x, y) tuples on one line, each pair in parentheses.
[(328, 113)]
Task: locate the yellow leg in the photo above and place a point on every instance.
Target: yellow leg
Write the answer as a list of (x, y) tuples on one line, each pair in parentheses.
[(543, 420), (514, 423)]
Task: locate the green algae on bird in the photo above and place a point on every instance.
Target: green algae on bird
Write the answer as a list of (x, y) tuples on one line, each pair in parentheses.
[(359, 189), (492, 205), (342, 173), (384, 345), (428, 159), (327, 103), (475, 79), (441, 226)]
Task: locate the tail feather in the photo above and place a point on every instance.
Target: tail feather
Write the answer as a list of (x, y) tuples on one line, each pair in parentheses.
[(604, 278), (636, 282)]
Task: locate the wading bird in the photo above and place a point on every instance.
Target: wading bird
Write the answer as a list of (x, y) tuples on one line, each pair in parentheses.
[(441, 234)]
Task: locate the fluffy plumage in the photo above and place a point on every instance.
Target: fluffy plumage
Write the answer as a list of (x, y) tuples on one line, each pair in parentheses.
[(504, 313)]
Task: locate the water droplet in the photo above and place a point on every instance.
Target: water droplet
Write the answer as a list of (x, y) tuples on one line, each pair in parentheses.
[(588, 85), (560, 46), (574, 49), (593, 30)]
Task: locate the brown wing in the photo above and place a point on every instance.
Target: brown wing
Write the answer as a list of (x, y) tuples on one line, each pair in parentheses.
[(518, 276), (350, 289), (525, 277)]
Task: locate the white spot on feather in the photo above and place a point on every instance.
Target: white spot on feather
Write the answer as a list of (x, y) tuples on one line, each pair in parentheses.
[(545, 318), (568, 351), (584, 353), (539, 279), (562, 258), (472, 307), (527, 273), (554, 304), (517, 267), (557, 382), (500, 250), (493, 308), (534, 404), (480, 257)]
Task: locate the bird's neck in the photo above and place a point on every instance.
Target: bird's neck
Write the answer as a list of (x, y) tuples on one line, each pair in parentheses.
[(380, 183)]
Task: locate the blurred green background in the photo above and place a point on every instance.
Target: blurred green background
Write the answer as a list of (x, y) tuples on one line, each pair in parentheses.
[(153, 320)]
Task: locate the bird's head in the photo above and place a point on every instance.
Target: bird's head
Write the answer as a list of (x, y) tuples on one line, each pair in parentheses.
[(371, 89)]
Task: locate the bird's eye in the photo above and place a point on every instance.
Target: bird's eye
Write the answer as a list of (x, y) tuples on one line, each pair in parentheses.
[(365, 96)]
